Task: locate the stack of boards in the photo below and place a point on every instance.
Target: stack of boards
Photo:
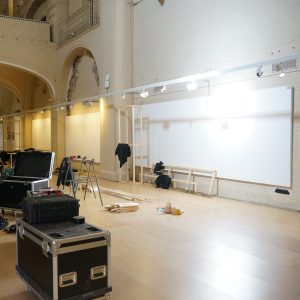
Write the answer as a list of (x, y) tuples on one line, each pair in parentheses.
[(123, 207)]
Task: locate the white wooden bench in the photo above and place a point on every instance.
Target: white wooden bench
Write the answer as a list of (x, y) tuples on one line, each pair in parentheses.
[(189, 174), (148, 172)]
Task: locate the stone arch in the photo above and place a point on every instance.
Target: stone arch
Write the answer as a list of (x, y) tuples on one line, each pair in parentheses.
[(71, 61), (33, 73), (12, 87), (33, 8)]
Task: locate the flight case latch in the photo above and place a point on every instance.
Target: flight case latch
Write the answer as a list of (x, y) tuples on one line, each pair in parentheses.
[(45, 248), (21, 232)]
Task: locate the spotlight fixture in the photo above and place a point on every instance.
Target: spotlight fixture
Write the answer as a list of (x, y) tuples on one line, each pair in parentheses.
[(279, 68), (144, 94), (281, 74), (164, 88), (259, 71), (191, 86)]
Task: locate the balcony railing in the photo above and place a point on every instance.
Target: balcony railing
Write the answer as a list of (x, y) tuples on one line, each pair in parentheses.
[(81, 20)]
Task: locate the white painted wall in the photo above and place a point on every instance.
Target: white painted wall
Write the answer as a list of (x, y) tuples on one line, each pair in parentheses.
[(187, 37)]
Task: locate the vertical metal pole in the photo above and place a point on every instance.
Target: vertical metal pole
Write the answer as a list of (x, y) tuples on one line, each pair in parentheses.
[(142, 146), (127, 139), (133, 145), (211, 183), (119, 125)]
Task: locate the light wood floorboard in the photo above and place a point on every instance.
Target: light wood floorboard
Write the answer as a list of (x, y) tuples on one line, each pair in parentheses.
[(218, 249)]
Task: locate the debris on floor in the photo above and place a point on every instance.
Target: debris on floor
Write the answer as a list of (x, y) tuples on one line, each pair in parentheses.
[(127, 196), (122, 207), (92, 189), (82, 187), (169, 209)]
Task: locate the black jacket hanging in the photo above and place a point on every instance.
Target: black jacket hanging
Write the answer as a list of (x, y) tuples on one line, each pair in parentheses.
[(123, 152)]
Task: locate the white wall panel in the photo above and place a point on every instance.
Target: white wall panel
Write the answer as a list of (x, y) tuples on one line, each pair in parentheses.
[(245, 136), (41, 134), (83, 135)]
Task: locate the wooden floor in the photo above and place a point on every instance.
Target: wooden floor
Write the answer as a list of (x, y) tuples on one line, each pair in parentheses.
[(219, 249)]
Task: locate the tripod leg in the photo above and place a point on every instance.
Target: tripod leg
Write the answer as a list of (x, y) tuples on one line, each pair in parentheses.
[(96, 180), (91, 163)]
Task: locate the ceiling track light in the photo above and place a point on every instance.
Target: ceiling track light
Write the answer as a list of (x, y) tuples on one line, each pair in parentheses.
[(280, 70), (281, 73), (192, 86), (164, 88), (259, 71), (144, 94)]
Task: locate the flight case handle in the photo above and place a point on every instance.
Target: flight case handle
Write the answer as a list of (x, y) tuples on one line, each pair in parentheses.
[(67, 279), (98, 272)]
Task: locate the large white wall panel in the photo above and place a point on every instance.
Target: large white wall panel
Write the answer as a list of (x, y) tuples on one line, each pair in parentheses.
[(245, 136), (83, 135), (41, 134)]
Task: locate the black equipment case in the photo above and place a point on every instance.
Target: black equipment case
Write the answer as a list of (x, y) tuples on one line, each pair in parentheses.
[(51, 208), (64, 260), (32, 172)]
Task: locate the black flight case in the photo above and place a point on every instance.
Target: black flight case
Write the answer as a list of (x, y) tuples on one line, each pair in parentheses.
[(32, 172), (64, 260)]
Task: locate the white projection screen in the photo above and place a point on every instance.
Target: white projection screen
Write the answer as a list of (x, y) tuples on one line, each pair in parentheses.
[(83, 135), (41, 134), (245, 135)]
